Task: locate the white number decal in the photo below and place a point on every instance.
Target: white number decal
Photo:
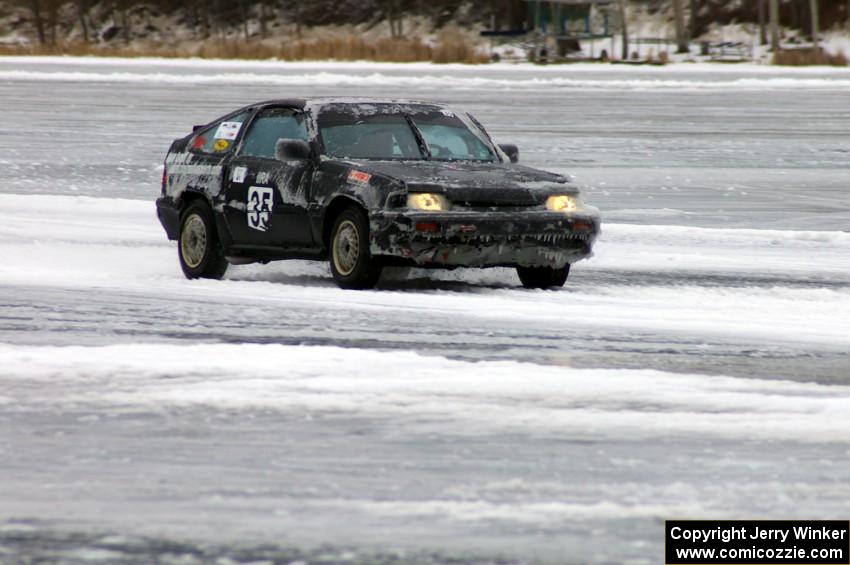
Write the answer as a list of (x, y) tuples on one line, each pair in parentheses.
[(239, 174), (260, 203)]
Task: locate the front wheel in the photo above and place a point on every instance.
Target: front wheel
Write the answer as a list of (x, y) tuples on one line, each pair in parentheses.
[(543, 277), (352, 264), (198, 248)]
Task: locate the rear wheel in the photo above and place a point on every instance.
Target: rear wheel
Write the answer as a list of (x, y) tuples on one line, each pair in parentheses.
[(543, 277), (352, 264), (198, 247)]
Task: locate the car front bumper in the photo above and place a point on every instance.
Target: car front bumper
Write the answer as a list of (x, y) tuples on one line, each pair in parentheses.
[(483, 239)]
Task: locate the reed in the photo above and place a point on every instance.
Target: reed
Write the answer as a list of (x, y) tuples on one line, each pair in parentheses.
[(808, 56), (449, 47)]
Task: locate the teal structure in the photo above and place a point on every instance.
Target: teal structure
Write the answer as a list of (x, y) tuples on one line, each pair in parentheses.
[(568, 19)]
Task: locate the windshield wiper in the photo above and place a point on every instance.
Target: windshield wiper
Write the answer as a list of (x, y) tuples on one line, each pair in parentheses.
[(420, 139)]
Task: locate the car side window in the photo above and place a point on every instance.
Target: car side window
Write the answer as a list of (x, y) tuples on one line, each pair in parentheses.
[(270, 126), (221, 136)]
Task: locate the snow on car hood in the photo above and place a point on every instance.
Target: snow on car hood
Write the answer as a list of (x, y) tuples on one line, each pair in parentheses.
[(491, 183)]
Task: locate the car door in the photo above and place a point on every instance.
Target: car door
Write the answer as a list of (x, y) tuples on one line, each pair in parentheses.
[(266, 199)]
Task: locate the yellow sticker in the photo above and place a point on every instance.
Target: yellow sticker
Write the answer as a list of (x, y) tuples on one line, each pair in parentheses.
[(221, 145)]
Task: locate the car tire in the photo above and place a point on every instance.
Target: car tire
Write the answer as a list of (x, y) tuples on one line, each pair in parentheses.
[(543, 277), (352, 264), (198, 247)]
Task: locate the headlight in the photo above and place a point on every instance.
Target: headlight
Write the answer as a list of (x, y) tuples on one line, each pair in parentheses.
[(563, 203), (428, 201)]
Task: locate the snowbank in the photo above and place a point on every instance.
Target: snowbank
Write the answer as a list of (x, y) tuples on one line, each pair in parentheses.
[(91, 243)]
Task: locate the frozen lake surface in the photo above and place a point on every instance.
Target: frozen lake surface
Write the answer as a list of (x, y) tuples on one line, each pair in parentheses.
[(697, 366)]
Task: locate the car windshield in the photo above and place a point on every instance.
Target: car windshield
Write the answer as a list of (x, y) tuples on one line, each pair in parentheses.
[(449, 139), (381, 136), (400, 131)]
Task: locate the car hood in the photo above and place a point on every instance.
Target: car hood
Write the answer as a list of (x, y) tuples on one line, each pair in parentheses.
[(499, 184)]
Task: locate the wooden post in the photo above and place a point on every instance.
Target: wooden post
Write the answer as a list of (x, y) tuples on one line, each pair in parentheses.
[(679, 16), (774, 25), (762, 23)]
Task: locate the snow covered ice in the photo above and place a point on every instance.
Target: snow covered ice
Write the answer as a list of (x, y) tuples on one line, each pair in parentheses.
[(697, 366)]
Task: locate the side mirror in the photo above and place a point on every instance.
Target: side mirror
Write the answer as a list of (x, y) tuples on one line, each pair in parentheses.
[(291, 150), (511, 150)]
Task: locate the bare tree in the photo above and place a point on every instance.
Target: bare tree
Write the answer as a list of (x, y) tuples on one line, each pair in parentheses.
[(679, 16), (243, 15), (774, 25), (625, 29), (694, 20), (35, 6), (82, 14), (53, 19), (392, 11), (813, 6), (204, 18), (264, 17), (516, 15), (299, 15), (125, 21), (762, 22)]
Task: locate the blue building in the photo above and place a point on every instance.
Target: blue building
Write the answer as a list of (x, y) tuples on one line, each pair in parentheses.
[(557, 28)]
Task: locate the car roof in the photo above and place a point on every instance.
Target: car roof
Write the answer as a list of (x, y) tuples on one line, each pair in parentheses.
[(303, 103)]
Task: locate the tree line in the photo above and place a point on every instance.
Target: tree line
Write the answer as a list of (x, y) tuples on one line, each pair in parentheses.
[(207, 18)]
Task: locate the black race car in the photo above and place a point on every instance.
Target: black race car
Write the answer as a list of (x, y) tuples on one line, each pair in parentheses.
[(365, 184)]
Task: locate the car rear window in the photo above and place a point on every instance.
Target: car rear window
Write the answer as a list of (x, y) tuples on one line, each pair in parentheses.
[(221, 136)]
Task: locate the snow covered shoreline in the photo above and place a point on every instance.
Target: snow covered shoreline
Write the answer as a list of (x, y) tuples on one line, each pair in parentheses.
[(142, 62)]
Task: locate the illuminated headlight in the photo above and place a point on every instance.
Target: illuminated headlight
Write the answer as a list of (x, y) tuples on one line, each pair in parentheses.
[(428, 201), (563, 203)]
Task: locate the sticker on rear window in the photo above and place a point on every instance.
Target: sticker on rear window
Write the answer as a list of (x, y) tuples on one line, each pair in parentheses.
[(228, 130)]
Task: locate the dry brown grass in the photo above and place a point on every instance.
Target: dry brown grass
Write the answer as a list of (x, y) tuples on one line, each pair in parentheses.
[(449, 48), (808, 56)]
